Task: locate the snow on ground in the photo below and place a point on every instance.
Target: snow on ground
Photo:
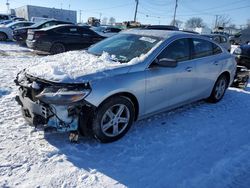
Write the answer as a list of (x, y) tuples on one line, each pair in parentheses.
[(199, 145)]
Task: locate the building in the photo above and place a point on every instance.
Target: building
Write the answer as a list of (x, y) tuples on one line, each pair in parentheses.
[(30, 11)]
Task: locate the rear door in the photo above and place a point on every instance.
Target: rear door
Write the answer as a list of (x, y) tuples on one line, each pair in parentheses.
[(208, 60), (89, 37), (70, 36)]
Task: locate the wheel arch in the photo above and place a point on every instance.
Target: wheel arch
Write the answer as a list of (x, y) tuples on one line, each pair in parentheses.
[(128, 95), (227, 74)]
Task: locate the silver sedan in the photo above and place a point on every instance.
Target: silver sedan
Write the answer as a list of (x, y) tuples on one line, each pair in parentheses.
[(160, 70)]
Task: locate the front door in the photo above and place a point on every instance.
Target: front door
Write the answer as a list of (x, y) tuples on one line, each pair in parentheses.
[(167, 87)]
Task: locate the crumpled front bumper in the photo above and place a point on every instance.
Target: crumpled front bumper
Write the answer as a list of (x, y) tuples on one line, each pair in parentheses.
[(38, 114)]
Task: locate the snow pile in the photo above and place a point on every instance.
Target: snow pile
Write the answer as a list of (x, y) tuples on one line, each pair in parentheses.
[(74, 64), (71, 65)]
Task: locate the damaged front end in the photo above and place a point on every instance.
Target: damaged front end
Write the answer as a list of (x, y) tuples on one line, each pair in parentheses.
[(53, 105)]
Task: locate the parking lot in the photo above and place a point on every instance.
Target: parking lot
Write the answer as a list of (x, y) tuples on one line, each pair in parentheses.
[(199, 145)]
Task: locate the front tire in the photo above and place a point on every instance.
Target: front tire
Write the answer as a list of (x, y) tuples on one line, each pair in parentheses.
[(113, 119), (219, 89)]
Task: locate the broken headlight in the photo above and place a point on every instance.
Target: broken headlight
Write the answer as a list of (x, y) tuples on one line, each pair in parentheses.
[(62, 96)]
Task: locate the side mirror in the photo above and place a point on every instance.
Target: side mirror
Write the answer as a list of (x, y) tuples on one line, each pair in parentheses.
[(165, 62)]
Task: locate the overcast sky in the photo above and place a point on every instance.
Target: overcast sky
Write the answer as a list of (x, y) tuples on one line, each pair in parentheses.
[(149, 11)]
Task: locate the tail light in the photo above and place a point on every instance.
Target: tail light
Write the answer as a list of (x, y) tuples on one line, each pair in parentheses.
[(37, 35)]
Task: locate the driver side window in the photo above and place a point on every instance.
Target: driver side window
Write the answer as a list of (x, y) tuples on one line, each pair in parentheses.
[(178, 50)]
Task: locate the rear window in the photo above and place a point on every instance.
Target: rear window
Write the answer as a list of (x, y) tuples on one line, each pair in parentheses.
[(4, 17)]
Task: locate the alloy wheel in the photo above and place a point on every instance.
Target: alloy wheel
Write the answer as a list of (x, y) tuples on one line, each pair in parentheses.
[(115, 120)]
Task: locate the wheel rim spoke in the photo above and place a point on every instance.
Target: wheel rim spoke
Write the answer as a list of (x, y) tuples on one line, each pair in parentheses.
[(106, 126), (123, 120), (120, 110), (115, 129)]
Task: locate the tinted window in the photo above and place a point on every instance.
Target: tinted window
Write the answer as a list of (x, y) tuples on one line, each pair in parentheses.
[(4, 17), (87, 31), (216, 39), (202, 48), (179, 50), (69, 30)]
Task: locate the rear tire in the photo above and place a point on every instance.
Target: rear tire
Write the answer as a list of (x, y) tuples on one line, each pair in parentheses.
[(219, 89), (113, 119), (3, 37), (57, 48)]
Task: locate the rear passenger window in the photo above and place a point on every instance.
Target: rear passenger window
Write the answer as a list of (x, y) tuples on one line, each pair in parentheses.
[(223, 39), (216, 49), (179, 50), (202, 48)]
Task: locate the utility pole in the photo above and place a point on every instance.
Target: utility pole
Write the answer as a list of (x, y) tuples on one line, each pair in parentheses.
[(80, 16), (216, 21), (175, 8), (8, 6), (136, 8)]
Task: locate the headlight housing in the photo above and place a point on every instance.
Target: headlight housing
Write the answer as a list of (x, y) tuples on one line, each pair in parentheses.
[(238, 51), (62, 96)]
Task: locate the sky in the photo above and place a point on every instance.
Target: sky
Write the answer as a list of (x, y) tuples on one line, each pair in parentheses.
[(149, 11)]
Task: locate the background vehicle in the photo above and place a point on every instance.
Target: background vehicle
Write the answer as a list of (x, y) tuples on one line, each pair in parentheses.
[(5, 22), (241, 38), (106, 31), (162, 27), (177, 68), (242, 53), (61, 38), (7, 30), (220, 39), (241, 77), (20, 34), (4, 17)]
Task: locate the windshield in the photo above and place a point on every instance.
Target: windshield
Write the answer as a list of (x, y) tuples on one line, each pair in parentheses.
[(125, 47)]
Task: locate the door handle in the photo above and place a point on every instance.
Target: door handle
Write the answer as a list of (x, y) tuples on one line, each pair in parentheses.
[(189, 69), (216, 63)]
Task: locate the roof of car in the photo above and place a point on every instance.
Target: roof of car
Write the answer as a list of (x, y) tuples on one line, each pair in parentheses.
[(157, 33), (57, 26)]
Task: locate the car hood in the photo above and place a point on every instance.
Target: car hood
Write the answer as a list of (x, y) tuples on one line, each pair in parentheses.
[(76, 67)]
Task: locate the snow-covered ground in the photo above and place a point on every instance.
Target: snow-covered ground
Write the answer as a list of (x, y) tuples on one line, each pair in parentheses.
[(199, 145)]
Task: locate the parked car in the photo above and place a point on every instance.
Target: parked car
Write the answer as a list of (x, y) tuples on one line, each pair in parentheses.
[(146, 73), (242, 37), (220, 39), (242, 53), (106, 31), (162, 27), (241, 78), (7, 30), (61, 38), (4, 17), (20, 34), (5, 22)]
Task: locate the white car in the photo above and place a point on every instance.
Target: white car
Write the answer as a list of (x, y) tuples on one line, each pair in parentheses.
[(6, 31)]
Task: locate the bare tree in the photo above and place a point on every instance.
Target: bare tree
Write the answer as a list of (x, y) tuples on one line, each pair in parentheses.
[(178, 23), (111, 20), (104, 21), (222, 21), (194, 22)]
